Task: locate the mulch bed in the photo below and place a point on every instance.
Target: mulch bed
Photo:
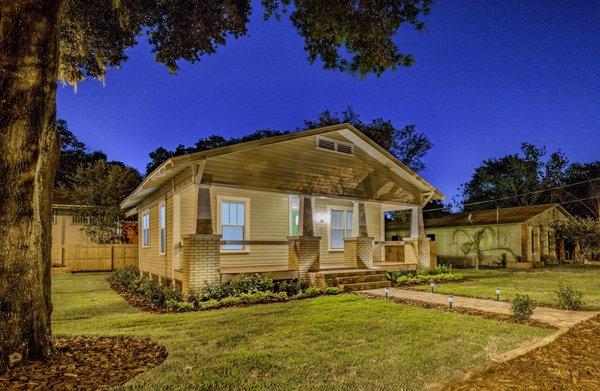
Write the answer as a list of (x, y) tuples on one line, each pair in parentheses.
[(139, 302), (571, 362), (86, 363), (461, 310)]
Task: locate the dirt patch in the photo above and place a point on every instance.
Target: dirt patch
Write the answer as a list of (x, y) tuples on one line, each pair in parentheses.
[(86, 363), (571, 362), (461, 310)]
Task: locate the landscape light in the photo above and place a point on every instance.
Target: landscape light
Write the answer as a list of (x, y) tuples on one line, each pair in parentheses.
[(432, 285), (450, 300), (386, 290), (498, 290)]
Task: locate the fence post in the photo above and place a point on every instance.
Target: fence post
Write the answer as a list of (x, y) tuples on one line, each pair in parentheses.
[(112, 257)]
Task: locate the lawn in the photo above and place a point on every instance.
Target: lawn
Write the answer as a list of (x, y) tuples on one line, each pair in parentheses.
[(539, 284), (329, 342)]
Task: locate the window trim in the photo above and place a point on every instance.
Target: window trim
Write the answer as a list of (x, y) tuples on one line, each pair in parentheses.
[(161, 205), (145, 213), (338, 208), (246, 201), (290, 210)]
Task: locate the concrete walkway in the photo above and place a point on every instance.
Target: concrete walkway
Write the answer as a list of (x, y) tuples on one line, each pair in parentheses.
[(555, 317)]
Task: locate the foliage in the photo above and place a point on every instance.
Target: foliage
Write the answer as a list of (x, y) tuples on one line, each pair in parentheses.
[(99, 188), (291, 287), (474, 243), (515, 174), (331, 290), (584, 232), (522, 308), (179, 306), (251, 283), (210, 304), (124, 278), (428, 278), (129, 280), (586, 194), (406, 144), (231, 301), (215, 291), (568, 298), (73, 154), (439, 269)]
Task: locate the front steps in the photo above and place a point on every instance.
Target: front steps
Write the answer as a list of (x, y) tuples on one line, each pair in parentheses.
[(350, 280)]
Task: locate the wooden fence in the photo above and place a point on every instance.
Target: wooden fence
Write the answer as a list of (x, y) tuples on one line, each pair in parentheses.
[(95, 257)]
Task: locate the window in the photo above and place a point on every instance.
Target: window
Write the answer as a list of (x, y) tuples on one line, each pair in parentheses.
[(431, 237), (294, 215), (233, 216), (340, 227), (162, 228), (79, 220), (395, 238), (145, 229)]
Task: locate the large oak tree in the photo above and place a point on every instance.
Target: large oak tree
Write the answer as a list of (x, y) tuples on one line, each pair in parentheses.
[(42, 41)]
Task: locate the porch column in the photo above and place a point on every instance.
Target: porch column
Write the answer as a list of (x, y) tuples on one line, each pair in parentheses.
[(424, 251), (304, 250), (544, 240), (200, 261), (525, 243), (358, 251)]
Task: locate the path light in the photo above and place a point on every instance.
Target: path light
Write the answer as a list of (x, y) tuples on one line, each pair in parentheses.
[(386, 290), (498, 290), (450, 300), (432, 285)]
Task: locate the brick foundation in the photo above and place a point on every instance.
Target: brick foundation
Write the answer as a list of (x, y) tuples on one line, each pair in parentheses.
[(303, 255), (200, 261), (358, 252)]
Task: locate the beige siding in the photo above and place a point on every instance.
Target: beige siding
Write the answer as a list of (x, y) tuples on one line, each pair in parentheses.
[(268, 221), (374, 226), (150, 258)]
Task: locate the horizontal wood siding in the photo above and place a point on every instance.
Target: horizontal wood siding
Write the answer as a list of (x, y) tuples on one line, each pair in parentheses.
[(150, 258), (268, 221), (299, 167)]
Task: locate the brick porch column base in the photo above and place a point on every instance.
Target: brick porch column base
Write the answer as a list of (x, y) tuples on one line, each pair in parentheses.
[(411, 250), (358, 252), (424, 251), (303, 255), (201, 259)]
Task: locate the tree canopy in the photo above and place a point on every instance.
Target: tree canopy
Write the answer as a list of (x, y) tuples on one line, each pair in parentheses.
[(534, 177), (356, 37)]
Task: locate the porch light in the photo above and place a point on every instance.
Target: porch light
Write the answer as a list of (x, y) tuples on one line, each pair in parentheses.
[(386, 290), (432, 285), (498, 290), (450, 300)]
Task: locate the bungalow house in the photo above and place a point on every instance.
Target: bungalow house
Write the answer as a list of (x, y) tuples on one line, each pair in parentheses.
[(522, 235), (307, 204)]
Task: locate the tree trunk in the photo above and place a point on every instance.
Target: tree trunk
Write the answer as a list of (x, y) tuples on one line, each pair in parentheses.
[(29, 34)]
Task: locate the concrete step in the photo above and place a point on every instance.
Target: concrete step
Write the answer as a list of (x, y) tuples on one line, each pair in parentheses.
[(360, 278), (361, 286)]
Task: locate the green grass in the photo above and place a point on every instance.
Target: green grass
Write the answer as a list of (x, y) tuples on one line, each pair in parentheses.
[(329, 342), (539, 284)]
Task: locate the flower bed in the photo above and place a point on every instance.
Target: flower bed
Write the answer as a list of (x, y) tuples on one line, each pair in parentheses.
[(148, 294), (438, 274)]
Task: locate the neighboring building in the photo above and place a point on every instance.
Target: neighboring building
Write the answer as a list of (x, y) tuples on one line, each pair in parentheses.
[(521, 233), (305, 204), (67, 227)]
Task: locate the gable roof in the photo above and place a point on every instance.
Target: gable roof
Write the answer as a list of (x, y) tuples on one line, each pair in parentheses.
[(517, 214), (176, 165)]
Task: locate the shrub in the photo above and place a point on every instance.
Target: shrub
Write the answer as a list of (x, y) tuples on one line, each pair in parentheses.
[(179, 306), (393, 276), (312, 292), (209, 304), (440, 269), (124, 278), (568, 298), (291, 287), (230, 301), (256, 297), (214, 291), (331, 290), (429, 278), (522, 308), (251, 283)]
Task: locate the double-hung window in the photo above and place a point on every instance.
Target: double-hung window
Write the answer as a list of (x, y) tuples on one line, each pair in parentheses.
[(341, 225), (146, 229), (233, 223), (162, 228)]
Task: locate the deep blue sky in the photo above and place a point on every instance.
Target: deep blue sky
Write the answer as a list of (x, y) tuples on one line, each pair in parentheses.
[(487, 76)]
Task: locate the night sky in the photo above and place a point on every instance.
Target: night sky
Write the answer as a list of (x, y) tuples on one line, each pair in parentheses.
[(487, 76)]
